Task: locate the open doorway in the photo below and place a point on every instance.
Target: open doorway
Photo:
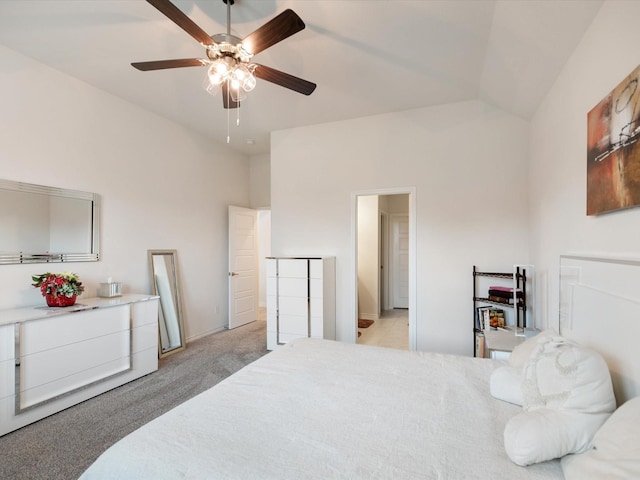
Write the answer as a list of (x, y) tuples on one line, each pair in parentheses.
[(383, 269)]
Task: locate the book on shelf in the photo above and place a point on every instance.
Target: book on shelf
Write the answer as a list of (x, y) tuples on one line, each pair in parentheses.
[(505, 292), (493, 318), (477, 324), (506, 301), (479, 344), (480, 317), (488, 317)]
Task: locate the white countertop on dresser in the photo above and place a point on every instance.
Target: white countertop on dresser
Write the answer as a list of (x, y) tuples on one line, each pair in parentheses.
[(24, 314)]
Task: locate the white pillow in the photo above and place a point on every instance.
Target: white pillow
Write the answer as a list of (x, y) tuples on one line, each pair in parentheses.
[(616, 455), (545, 434), (562, 375), (521, 354), (505, 384), (567, 395)]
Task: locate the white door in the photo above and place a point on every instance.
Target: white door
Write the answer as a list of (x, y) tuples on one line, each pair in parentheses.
[(243, 266), (400, 247)]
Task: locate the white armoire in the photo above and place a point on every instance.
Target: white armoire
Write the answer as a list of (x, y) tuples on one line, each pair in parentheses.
[(301, 299)]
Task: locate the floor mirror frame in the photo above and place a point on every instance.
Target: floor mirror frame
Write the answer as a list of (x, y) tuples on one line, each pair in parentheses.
[(165, 283)]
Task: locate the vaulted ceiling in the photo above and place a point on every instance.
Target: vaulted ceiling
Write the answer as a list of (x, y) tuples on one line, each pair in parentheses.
[(366, 56)]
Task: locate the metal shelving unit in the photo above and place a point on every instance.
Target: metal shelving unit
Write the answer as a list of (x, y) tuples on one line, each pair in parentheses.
[(519, 305)]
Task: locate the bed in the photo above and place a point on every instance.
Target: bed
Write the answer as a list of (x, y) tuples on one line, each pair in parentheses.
[(324, 409), (320, 409)]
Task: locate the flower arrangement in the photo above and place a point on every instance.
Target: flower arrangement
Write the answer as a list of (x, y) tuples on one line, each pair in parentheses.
[(58, 284)]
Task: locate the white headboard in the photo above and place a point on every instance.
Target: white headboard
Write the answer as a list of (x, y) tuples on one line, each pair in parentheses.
[(600, 309)]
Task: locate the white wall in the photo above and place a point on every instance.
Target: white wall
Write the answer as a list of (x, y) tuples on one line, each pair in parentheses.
[(264, 250), (162, 187), (260, 181), (468, 164), (260, 198), (606, 55)]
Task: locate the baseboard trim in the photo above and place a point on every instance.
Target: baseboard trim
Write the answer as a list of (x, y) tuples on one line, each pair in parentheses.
[(205, 334)]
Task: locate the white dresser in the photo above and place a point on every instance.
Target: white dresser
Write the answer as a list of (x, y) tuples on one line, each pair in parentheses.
[(301, 299), (53, 358)]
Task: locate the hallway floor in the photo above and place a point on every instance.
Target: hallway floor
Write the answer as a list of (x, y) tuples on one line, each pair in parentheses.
[(391, 330)]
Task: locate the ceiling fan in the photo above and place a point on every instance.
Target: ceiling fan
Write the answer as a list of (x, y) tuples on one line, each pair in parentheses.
[(229, 58)]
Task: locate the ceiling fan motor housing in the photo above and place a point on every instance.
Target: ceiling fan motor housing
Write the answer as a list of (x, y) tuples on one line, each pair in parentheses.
[(227, 45)]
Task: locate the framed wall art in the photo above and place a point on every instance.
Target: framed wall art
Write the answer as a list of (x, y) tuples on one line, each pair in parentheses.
[(613, 150)]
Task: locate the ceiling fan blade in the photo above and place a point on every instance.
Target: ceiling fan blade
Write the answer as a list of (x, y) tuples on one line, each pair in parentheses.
[(284, 79), (274, 31), (227, 102), (163, 64), (179, 18)]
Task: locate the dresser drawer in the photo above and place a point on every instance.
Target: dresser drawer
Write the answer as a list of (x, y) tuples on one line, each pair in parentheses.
[(292, 268), (293, 287), (49, 333), (53, 372), (7, 374), (293, 325), (7, 342)]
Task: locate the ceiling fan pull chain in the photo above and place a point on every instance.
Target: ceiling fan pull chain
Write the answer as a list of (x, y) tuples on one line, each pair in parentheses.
[(238, 117)]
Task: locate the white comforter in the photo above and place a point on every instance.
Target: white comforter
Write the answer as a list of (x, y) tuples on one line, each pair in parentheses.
[(317, 409)]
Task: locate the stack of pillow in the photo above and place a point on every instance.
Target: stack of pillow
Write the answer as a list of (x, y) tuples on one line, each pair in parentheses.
[(567, 398)]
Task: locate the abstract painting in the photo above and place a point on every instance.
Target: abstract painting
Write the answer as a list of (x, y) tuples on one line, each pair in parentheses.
[(613, 150)]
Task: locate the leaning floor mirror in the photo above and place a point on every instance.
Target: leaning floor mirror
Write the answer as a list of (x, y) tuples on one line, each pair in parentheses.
[(164, 282)]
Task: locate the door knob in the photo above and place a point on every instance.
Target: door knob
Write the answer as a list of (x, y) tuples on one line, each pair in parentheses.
[(233, 274)]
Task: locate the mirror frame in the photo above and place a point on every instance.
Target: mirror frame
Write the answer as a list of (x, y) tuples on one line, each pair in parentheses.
[(29, 257), (154, 290)]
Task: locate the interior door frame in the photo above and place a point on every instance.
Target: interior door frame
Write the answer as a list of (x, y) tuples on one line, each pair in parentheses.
[(411, 191)]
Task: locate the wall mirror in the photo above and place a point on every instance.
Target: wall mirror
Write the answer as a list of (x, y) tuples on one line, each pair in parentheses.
[(164, 282), (40, 224)]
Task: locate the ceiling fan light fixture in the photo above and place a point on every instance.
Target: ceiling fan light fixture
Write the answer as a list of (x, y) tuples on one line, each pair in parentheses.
[(227, 69), (210, 87), (213, 51), (225, 65), (244, 76), (249, 83), (240, 73), (243, 53), (214, 74), (236, 92)]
